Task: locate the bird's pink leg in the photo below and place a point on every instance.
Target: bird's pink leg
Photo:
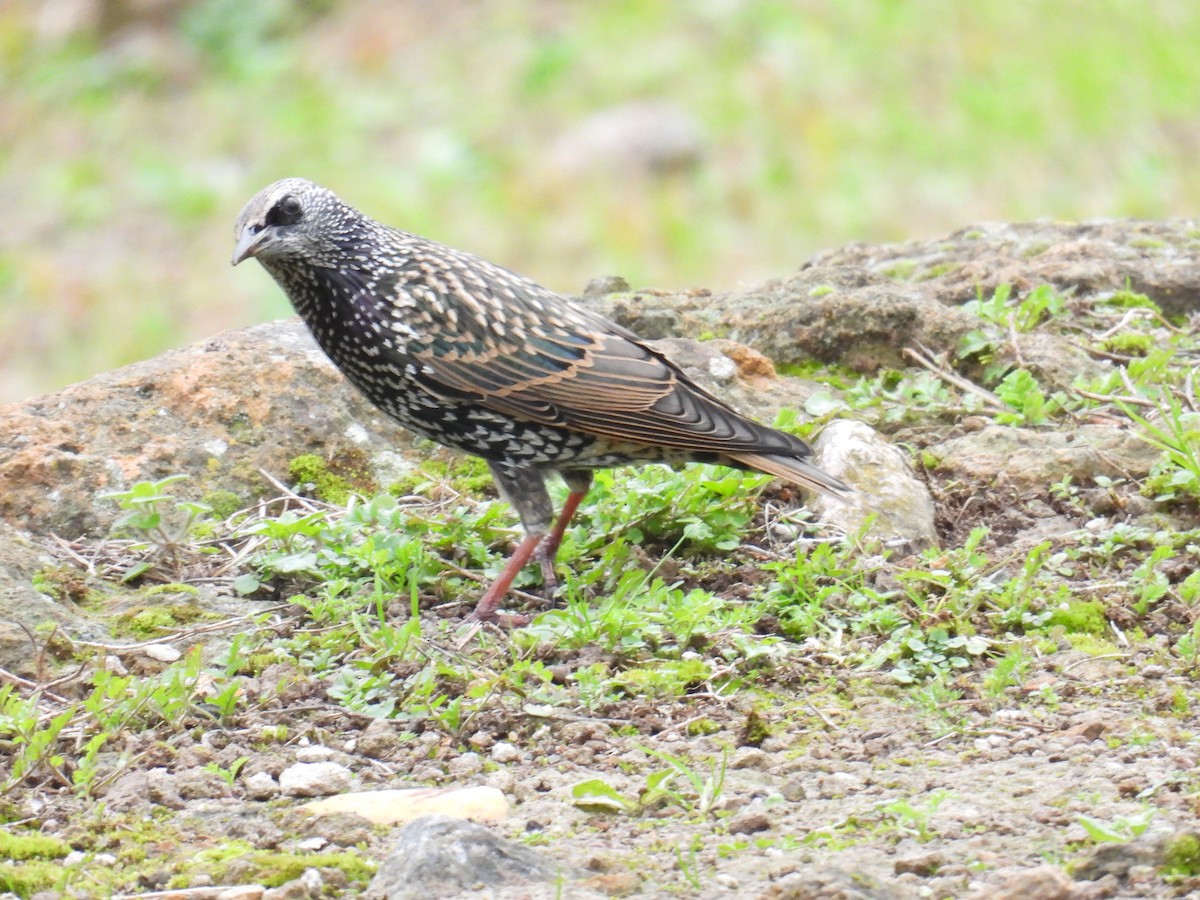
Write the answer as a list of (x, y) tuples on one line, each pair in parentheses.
[(544, 547), (485, 610), (548, 549)]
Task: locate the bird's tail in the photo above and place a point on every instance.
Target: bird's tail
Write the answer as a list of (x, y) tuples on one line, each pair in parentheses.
[(796, 471)]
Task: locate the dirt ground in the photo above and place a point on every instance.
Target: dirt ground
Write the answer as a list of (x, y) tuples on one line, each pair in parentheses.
[(795, 765)]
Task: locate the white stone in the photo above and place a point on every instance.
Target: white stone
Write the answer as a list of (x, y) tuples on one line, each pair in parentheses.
[(318, 779), (884, 487), (722, 368), (261, 786), (162, 652), (242, 892), (504, 752), (315, 753)]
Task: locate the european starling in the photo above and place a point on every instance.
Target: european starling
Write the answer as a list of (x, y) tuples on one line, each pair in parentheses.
[(478, 358)]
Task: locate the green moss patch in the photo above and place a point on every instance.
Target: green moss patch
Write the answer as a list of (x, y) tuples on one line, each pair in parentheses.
[(336, 478), (223, 503), (18, 847), (30, 878), (1182, 857), (272, 869), (1133, 343), (1081, 617), (151, 621)]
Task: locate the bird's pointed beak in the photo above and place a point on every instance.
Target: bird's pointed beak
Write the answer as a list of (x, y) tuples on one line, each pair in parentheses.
[(248, 243)]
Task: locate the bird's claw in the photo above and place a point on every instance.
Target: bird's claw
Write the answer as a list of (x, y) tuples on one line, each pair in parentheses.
[(473, 623), (545, 558)]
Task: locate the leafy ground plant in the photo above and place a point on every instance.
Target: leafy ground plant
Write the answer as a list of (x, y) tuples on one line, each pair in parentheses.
[(678, 784), (161, 522), (1177, 434), (1120, 829)]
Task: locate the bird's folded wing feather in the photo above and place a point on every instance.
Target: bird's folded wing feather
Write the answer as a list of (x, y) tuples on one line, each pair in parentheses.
[(600, 382)]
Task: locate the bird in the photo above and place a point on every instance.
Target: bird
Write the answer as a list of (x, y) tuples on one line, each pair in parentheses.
[(478, 358)]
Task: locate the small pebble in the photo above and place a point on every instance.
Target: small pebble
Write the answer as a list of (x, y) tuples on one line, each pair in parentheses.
[(464, 765), (505, 752), (923, 864), (749, 823), (162, 652), (315, 753), (261, 786), (481, 740), (793, 790), (318, 779), (749, 758)]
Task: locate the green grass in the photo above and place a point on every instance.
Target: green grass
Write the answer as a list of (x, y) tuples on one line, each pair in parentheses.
[(126, 160), (360, 577)]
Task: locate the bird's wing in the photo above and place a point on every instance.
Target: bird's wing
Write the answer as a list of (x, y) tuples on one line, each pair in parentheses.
[(587, 374)]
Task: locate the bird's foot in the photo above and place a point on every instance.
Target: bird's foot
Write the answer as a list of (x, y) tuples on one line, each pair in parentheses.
[(545, 556), (500, 620)]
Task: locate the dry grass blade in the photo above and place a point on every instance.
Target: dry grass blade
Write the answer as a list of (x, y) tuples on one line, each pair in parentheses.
[(1115, 399), (41, 690)]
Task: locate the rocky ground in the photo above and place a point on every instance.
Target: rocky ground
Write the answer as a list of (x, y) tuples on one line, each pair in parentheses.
[(734, 699)]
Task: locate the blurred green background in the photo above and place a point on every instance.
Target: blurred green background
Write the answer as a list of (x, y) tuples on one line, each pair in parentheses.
[(705, 144)]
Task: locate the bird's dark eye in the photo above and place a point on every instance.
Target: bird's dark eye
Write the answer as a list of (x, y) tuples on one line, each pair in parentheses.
[(288, 211)]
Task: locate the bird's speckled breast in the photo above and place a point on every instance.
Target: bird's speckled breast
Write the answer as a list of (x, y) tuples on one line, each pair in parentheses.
[(375, 346)]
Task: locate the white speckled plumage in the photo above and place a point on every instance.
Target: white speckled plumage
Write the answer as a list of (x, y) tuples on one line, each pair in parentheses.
[(476, 357)]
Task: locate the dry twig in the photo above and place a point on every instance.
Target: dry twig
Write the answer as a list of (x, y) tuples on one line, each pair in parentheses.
[(954, 378)]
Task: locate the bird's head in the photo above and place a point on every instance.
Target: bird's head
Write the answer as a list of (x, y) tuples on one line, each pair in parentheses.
[(292, 219)]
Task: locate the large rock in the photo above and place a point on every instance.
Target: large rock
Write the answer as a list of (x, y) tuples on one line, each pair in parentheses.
[(861, 305), (1159, 259), (832, 314), (439, 856), (219, 411), (1028, 459)]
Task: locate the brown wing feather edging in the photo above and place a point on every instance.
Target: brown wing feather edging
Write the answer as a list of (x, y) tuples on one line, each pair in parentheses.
[(610, 373), (796, 471)]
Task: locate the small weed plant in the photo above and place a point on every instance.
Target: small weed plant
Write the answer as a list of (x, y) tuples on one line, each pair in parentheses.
[(678, 784)]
